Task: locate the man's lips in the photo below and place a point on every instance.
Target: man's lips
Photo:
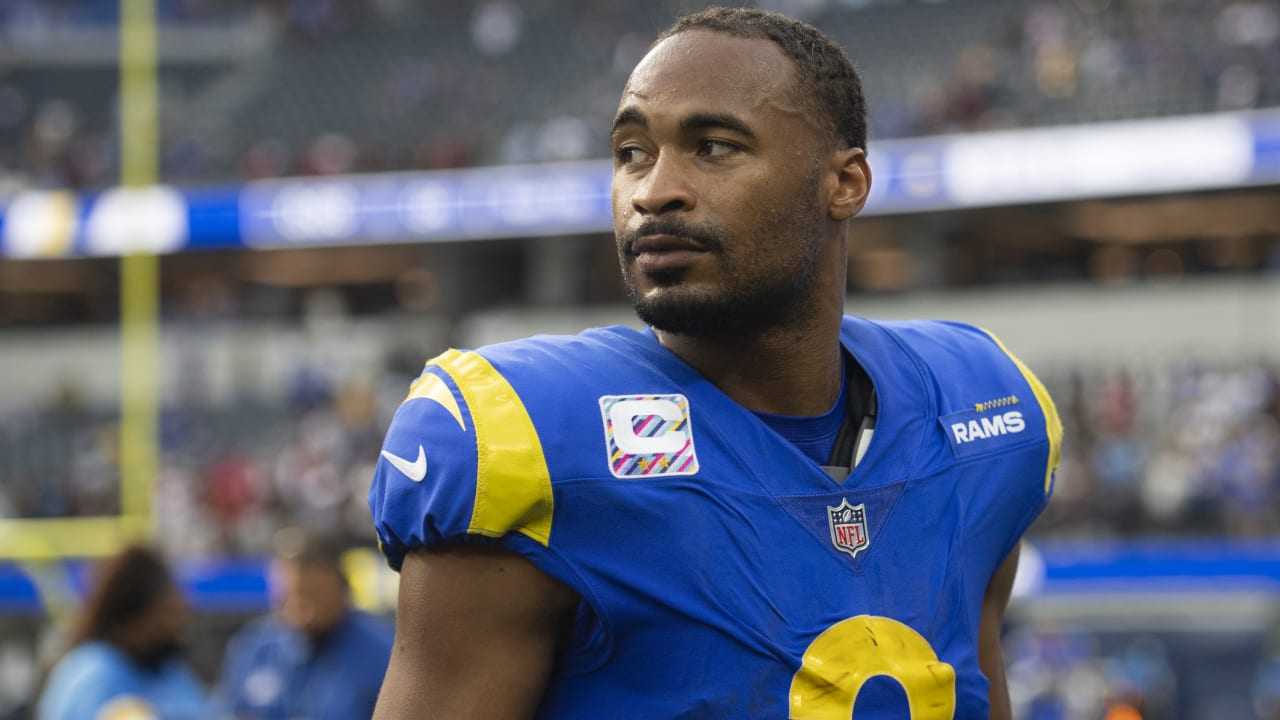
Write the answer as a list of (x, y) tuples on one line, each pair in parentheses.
[(659, 253), (664, 244)]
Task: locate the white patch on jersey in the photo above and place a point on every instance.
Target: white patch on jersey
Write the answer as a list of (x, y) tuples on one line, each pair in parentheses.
[(648, 435)]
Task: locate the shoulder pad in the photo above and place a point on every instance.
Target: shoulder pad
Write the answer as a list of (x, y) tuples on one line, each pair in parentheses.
[(979, 382), (461, 457)]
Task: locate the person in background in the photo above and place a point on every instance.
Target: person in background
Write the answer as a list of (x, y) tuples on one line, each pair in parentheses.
[(316, 657), (126, 658)]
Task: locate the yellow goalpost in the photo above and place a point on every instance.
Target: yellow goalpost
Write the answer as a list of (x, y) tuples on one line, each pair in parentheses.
[(139, 271), (40, 543)]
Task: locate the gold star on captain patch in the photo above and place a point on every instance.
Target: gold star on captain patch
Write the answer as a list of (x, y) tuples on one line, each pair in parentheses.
[(664, 463), (644, 464)]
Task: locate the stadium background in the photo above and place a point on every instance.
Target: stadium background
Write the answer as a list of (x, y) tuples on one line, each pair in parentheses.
[(351, 187)]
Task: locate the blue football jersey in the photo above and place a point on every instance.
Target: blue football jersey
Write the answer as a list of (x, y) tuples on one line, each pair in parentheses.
[(724, 574)]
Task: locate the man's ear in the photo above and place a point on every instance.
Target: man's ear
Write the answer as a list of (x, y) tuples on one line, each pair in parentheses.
[(852, 183)]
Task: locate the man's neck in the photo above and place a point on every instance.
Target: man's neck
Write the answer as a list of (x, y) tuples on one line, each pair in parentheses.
[(785, 371)]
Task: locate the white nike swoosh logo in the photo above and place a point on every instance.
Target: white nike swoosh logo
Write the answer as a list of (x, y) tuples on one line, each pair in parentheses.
[(416, 470)]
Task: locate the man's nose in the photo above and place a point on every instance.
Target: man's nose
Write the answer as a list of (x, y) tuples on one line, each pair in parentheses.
[(664, 189)]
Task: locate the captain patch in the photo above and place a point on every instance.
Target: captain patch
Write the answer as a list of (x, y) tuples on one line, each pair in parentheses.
[(648, 435)]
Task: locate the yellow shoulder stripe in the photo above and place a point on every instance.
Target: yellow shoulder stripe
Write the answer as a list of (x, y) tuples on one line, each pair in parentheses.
[(513, 484), (1053, 424), (431, 387)]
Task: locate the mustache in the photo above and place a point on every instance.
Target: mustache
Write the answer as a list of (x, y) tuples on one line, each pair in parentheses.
[(704, 237)]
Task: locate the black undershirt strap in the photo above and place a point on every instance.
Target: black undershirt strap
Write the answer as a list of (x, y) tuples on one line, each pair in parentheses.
[(859, 417)]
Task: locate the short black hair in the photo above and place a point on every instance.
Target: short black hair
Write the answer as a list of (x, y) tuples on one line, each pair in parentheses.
[(828, 82)]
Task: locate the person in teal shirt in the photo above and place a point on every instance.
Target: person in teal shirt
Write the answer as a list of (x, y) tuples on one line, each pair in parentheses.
[(126, 658)]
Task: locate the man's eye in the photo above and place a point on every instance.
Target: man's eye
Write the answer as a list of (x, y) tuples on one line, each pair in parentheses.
[(629, 155), (715, 148)]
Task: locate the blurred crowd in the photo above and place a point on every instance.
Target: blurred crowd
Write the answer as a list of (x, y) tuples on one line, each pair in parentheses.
[(1185, 448), (1058, 672), (229, 477), (343, 86)]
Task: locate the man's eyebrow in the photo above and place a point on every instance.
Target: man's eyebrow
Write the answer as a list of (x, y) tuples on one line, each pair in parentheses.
[(725, 121), (689, 123), (629, 116)]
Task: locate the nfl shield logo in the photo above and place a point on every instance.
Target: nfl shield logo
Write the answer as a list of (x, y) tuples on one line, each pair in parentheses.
[(848, 527)]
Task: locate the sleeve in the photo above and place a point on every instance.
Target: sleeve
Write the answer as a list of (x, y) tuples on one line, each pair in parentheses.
[(1000, 432), (1024, 472), (1051, 422), (461, 461)]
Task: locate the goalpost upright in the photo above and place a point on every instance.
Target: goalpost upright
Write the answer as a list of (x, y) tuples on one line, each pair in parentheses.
[(38, 543)]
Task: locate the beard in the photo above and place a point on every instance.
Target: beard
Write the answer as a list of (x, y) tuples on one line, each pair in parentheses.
[(746, 301)]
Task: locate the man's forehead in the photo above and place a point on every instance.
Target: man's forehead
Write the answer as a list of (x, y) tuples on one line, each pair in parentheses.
[(710, 65)]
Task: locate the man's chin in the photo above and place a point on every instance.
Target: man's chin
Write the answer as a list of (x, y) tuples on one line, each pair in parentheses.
[(680, 316), (666, 277), (698, 312)]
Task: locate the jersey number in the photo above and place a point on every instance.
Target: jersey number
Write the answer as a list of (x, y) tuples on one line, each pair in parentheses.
[(848, 654)]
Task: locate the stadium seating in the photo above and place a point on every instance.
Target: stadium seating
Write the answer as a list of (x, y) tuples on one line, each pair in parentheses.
[(394, 86)]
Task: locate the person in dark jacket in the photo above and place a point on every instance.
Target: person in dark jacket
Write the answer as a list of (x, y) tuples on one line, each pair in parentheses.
[(315, 657)]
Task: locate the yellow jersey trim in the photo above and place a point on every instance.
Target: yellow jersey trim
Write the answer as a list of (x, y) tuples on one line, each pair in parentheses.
[(1053, 423), (431, 387), (513, 484)]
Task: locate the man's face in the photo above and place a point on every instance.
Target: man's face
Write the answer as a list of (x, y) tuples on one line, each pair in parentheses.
[(310, 598), (716, 197)]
